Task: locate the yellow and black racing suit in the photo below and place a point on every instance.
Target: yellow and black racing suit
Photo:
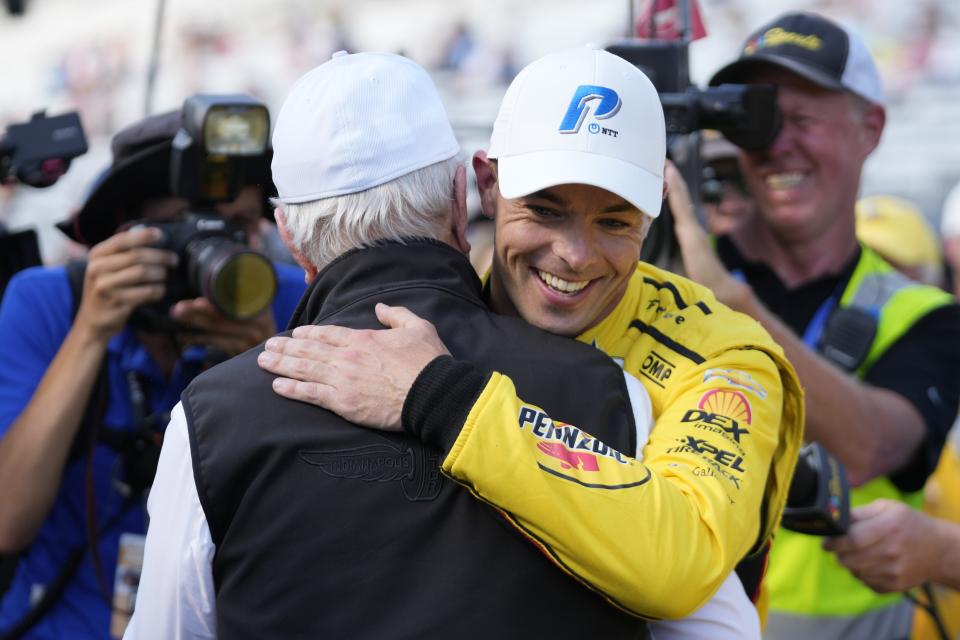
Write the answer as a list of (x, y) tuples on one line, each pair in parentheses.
[(657, 537)]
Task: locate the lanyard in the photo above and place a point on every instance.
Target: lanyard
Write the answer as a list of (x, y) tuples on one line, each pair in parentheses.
[(138, 399), (143, 415), (817, 324), (814, 330)]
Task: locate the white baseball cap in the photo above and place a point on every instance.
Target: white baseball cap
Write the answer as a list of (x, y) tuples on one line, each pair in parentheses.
[(356, 122), (582, 116)]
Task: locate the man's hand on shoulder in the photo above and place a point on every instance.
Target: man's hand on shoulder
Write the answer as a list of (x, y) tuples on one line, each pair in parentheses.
[(362, 375)]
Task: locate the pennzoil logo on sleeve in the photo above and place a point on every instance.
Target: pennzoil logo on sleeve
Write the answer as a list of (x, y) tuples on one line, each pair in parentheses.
[(572, 454), (570, 459)]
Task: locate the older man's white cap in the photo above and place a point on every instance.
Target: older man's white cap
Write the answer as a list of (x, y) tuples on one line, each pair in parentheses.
[(355, 122)]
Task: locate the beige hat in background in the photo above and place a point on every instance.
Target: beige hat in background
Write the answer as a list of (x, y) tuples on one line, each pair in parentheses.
[(897, 230)]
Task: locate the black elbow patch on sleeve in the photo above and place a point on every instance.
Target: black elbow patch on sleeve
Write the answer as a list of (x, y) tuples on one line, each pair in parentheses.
[(440, 400)]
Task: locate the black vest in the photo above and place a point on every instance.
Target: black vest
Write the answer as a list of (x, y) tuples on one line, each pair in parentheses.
[(327, 530)]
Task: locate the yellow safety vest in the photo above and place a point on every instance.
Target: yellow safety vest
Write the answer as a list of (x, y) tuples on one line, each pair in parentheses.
[(803, 579)]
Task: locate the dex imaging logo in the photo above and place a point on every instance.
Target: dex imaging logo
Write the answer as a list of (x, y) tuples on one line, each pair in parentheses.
[(605, 103)]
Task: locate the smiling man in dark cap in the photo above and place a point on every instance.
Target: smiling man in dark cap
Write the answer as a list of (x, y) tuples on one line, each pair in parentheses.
[(878, 355), (73, 477)]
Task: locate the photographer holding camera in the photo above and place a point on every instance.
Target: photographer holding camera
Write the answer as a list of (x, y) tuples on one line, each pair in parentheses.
[(88, 373), (878, 355)]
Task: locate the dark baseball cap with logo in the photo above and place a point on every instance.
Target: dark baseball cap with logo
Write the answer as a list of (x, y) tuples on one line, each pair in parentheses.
[(814, 48)]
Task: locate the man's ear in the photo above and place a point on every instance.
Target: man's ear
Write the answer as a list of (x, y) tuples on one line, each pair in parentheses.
[(486, 171), (458, 212), (308, 267), (647, 223), (874, 120)]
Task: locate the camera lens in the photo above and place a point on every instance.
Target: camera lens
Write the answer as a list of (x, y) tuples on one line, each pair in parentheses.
[(239, 281)]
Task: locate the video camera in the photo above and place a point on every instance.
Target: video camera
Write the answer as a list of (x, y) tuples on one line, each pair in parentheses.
[(747, 115), (39, 151), (35, 153), (219, 138)]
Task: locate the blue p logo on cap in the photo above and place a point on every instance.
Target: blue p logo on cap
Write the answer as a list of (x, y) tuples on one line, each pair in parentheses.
[(585, 94)]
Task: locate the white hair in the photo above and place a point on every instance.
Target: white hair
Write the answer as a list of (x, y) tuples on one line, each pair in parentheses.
[(416, 204)]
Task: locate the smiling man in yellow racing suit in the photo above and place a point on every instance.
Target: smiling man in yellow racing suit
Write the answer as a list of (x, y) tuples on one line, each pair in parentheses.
[(720, 409), (715, 470)]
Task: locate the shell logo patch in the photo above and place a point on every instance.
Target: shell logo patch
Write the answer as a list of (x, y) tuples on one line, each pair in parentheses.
[(726, 402)]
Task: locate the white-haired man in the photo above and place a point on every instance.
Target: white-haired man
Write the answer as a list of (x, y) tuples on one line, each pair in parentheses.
[(574, 178), (272, 519)]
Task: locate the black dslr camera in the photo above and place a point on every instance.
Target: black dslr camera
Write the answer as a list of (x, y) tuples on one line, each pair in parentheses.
[(220, 139), (216, 263)]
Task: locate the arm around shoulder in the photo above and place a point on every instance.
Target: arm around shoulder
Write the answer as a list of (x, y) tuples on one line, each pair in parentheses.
[(656, 538)]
